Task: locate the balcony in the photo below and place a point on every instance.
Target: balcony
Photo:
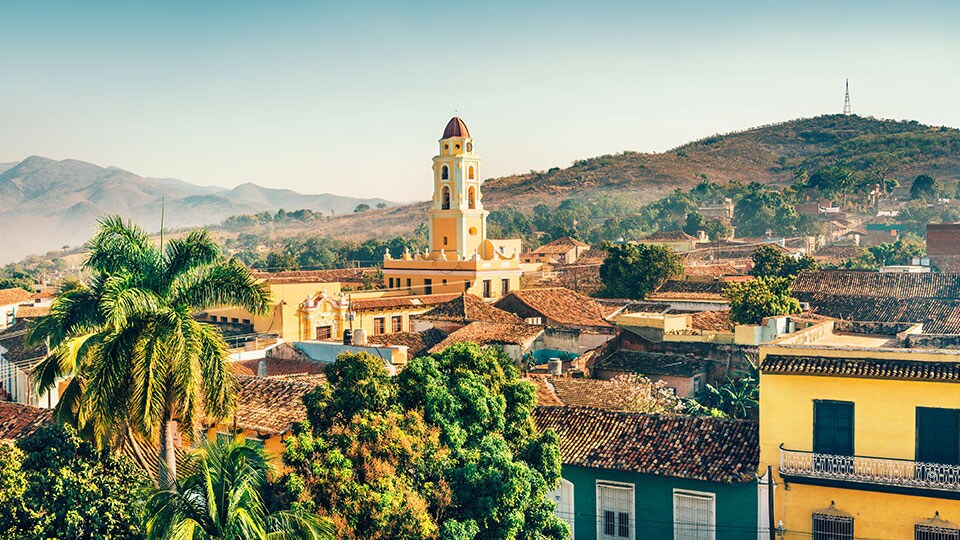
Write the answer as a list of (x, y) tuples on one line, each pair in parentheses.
[(871, 474)]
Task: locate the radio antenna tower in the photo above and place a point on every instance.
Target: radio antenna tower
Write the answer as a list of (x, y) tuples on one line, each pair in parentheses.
[(846, 100)]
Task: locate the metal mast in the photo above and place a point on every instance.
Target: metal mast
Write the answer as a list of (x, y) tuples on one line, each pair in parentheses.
[(846, 100)]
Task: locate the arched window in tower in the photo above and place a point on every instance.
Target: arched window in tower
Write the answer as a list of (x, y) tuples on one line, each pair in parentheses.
[(445, 197), (444, 173), (472, 197), (470, 173)]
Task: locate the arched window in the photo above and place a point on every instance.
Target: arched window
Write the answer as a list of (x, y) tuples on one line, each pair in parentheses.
[(472, 196), (445, 197), (470, 173), (444, 173)]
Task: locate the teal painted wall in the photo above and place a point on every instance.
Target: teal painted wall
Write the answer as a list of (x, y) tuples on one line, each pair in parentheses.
[(736, 504)]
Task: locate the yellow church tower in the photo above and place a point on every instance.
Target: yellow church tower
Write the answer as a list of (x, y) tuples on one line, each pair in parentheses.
[(460, 257)]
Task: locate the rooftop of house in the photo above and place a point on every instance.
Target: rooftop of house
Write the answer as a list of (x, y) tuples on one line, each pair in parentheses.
[(651, 363), (559, 304), (18, 420), (938, 315), (870, 368), (488, 333), (32, 312), (417, 343), (301, 369), (560, 245), (404, 301), (14, 295), (692, 447), (337, 275), (711, 270), (669, 236), (269, 406), (581, 392), (930, 285), (467, 308), (15, 349), (676, 289), (712, 321)]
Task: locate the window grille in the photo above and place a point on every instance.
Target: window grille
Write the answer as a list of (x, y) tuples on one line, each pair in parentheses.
[(396, 323), (616, 505), (379, 325), (830, 527), (694, 516), (929, 532), (487, 292), (324, 333)]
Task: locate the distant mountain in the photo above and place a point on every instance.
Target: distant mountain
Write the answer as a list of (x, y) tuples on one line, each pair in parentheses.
[(46, 204), (770, 154)]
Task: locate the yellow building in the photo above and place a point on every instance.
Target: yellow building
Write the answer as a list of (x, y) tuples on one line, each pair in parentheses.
[(460, 257), (860, 423)]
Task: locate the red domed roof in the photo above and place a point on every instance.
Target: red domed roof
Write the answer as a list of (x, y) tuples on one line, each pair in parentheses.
[(455, 128)]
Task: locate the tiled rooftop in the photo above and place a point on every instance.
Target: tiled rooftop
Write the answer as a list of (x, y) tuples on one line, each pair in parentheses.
[(404, 301), (651, 363), (14, 347), (559, 304), (669, 236), (938, 315), (693, 447), (676, 289), (417, 343), (862, 367), (595, 393), (268, 405), (13, 296), (485, 333), (467, 308), (877, 284), (21, 420), (712, 321)]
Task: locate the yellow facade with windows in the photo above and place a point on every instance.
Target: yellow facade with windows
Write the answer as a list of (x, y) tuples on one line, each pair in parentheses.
[(837, 385), (460, 258)]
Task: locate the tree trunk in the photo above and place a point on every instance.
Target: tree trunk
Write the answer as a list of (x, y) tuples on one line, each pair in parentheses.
[(167, 475)]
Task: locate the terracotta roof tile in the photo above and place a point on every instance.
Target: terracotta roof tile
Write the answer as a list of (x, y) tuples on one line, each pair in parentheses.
[(14, 347), (404, 301), (939, 316), (14, 295), (869, 368), (652, 363), (467, 308), (680, 289), (18, 420), (693, 447), (486, 333), (279, 367), (559, 304), (268, 405), (596, 393), (879, 284), (712, 321), (545, 391), (417, 343)]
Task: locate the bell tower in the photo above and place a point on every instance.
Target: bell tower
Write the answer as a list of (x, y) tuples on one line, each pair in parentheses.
[(458, 222)]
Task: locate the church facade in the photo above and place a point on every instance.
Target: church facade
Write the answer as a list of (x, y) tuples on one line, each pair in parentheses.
[(460, 257)]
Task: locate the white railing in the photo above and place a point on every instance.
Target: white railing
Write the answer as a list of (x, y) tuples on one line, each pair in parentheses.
[(14, 383), (870, 470)]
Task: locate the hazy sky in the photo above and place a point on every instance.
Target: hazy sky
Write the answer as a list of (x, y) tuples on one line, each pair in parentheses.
[(350, 98)]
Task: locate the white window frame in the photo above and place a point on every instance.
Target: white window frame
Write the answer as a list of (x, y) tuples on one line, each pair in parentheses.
[(633, 507), (711, 533), (556, 495)]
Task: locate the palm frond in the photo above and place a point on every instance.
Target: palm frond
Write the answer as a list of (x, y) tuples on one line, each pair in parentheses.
[(120, 246), (181, 256), (225, 284)]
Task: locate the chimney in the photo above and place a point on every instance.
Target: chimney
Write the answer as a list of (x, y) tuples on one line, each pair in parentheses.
[(555, 367)]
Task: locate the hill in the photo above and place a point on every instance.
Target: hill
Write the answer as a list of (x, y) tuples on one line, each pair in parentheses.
[(770, 154), (46, 204)]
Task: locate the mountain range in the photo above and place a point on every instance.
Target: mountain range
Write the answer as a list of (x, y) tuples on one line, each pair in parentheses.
[(47, 204)]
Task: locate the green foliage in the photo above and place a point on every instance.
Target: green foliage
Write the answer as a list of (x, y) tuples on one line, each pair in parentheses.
[(832, 181), (222, 499), (763, 209), (362, 207), (900, 252), (634, 270), (127, 340), (56, 485), (715, 228), (752, 301), (447, 449), (282, 217), (739, 395), (926, 187), (320, 252), (768, 261)]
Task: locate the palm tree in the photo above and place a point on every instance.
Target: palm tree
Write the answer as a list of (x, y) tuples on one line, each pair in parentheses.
[(137, 360), (221, 499)]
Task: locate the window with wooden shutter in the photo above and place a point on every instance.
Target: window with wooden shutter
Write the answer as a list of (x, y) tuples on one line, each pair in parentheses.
[(379, 325), (324, 333), (396, 323), (694, 515)]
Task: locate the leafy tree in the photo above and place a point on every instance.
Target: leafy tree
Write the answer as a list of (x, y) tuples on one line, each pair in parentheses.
[(834, 180), (634, 270), (447, 449), (362, 207), (12, 283), (135, 356), (222, 498), (715, 228), (925, 187), (381, 205), (769, 261), (900, 252), (56, 485), (762, 209), (752, 301)]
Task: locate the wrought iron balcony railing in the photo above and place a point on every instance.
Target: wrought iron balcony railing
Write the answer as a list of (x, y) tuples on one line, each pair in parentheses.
[(900, 473)]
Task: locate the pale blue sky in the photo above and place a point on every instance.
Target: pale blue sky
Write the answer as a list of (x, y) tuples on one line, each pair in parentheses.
[(350, 98)]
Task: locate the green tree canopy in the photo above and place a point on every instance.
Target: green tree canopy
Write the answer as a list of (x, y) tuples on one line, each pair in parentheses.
[(446, 450), (926, 187), (769, 261), (128, 342), (53, 484), (900, 252), (752, 301), (762, 209), (634, 270)]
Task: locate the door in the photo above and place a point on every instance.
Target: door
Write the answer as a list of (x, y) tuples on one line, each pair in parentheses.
[(938, 443), (833, 436), (615, 505)]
